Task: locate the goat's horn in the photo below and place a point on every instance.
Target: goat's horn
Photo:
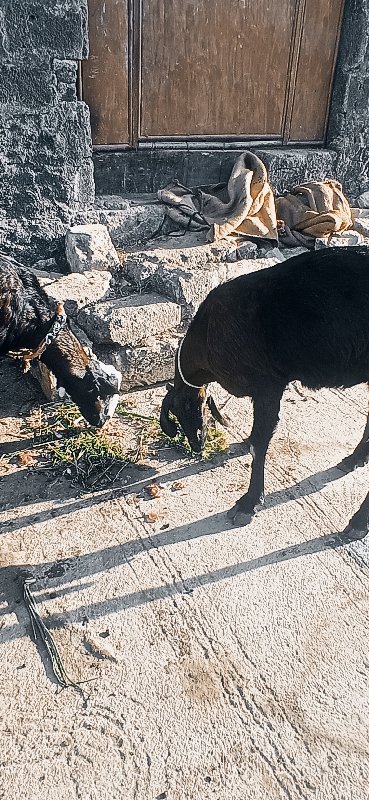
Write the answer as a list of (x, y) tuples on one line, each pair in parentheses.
[(215, 412), (166, 424)]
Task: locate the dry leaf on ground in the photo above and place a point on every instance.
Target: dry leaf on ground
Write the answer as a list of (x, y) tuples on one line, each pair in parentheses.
[(151, 517), (153, 490), (177, 485), (26, 458)]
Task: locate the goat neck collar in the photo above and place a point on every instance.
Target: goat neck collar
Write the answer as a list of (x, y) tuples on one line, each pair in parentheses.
[(192, 385), (58, 322)]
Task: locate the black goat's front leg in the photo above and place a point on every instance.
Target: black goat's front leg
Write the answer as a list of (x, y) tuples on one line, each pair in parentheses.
[(360, 456), (266, 413)]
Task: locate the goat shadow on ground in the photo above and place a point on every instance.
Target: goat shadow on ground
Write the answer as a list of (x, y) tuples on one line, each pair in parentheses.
[(67, 576), (13, 494), (53, 576)]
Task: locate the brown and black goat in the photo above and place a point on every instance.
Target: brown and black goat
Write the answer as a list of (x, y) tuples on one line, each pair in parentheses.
[(29, 328), (306, 319)]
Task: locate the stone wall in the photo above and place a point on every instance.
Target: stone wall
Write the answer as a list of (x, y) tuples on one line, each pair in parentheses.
[(46, 172), (348, 130)]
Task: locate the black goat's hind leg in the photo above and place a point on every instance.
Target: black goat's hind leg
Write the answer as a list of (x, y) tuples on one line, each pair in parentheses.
[(359, 524), (360, 456), (266, 411)]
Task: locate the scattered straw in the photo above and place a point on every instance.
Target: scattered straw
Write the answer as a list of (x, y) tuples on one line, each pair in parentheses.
[(95, 458)]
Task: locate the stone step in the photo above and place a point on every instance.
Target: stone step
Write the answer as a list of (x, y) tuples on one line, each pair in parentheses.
[(186, 274), (77, 290), (130, 221), (129, 320)]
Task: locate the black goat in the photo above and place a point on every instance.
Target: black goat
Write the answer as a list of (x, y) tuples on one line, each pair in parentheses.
[(306, 319), (27, 324)]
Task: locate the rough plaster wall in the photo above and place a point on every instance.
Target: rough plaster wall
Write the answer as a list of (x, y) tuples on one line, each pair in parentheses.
[(46, 171), (349, 117)]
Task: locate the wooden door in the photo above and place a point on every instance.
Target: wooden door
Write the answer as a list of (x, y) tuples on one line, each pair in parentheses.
[(105, 75), (210, 69)]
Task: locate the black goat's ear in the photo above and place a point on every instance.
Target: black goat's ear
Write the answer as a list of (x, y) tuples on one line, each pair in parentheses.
[(169, 387), (215, 412), (167, 425)]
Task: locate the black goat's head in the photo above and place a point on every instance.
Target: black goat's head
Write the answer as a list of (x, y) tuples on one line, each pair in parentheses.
[(96, 392), (189, 405)]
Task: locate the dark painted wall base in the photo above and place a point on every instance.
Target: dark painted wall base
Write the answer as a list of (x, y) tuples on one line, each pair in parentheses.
[(147, 170)]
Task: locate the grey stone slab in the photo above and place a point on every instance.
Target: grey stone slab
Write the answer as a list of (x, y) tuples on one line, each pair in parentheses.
[(146, 364), (291, 252), (43, 27), (363, 200), (122, 172), (148, 170), (133, 223), (345, 239), (185, 275), (129, 320), (90, 247), (361, 221), (348, 128), (78, 290), (245, 266), (45, 177)]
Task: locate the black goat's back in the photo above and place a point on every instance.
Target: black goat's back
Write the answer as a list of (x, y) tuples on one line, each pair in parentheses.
[(304, 319), (24, 305)]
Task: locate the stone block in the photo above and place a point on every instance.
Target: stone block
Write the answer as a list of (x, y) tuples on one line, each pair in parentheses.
[(245, 266), (129, 320), (184, 275), (345, 239), (244, 250), (89, 247), (363, 200), (291, 252), (66, 79), (133, 222), (44, 277), (28, 85), (45, 174), (361, 221), (145, 365), (36, 28), (78, 290)]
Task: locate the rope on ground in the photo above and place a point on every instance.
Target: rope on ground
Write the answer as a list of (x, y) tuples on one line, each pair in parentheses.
[(39, 627)]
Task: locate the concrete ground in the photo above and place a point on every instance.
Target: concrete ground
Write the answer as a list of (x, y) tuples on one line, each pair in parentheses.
[(218, 663)]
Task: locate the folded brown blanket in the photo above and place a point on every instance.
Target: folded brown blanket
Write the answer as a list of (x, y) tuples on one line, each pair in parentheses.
[(244, 206), (314, 209)]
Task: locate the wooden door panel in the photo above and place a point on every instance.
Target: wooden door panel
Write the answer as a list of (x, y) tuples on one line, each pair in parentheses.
[(321, 28), (215, 67), (105, 73)]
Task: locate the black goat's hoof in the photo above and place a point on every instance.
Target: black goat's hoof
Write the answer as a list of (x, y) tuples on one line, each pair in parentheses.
[(354, 531), (350, 463), (249, 447), (239, 518)]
